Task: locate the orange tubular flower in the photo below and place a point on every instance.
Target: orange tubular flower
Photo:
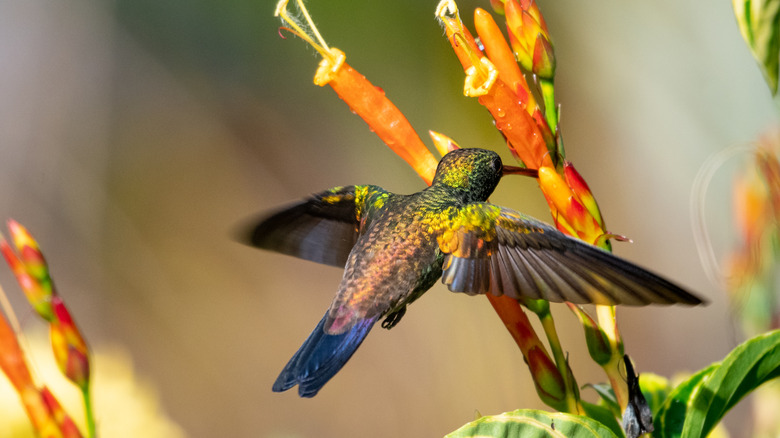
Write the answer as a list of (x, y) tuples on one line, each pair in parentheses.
[(365, 99), (528, 135), (501, 56), (370, 103)]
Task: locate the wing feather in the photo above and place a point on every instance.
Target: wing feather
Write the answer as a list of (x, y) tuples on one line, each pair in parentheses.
[(500, 251), (322, 228)]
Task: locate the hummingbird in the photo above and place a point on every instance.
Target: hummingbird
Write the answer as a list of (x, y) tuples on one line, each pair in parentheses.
[(393, 248)]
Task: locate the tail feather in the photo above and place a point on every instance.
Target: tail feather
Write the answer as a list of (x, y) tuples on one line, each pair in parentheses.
[(320, 357)]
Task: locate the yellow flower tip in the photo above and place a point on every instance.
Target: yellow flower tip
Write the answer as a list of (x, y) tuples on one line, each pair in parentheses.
[(498, 6), (446, 9), (21, 236), (480, 78), (530, 30), (443, 143), (519, 24), (463, 43), (532, 9), (329, 66)]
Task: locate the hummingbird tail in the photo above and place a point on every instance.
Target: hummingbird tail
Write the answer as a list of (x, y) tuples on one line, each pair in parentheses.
[(320, 357)]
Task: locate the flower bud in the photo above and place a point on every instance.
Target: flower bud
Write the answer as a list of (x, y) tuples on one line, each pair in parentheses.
[(530, 38), (598, 344), (571, 217), (547, 379), (68, 345), (580, 188), (30, 269), (443, 143)]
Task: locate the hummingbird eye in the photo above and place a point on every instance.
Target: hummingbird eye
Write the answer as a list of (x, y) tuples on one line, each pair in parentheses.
[(496, 164)]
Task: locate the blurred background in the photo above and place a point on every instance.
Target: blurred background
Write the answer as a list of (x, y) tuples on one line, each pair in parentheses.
[(136, 135)]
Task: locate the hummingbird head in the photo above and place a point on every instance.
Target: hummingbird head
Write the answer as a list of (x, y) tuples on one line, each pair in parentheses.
[(473, 173)]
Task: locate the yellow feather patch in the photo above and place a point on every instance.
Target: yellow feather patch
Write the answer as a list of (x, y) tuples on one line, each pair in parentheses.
[(469, 231), (361, 192)]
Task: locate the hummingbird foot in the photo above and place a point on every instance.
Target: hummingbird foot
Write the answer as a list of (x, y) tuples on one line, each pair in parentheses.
[(394, 318)]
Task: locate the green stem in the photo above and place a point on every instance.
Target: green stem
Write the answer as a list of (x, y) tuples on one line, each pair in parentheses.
[(608, 322), (542, 310), (90, 416), (550, 107)]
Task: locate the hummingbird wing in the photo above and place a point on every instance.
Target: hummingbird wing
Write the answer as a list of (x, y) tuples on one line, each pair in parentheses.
[(498, 250), (323, 228)]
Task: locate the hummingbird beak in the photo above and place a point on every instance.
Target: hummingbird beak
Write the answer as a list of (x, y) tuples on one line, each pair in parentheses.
[(514, 170)]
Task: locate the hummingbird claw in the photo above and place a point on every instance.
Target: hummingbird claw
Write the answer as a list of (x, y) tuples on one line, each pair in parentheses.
[(393, 318)]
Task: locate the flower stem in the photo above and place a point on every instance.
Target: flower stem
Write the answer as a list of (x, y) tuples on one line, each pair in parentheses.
[(572, 393), (608, 322), (88, 411), (550, 107)]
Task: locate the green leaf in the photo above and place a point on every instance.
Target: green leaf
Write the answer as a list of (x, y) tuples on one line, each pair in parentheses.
[(607, 395), (698, 404), (532, 423), (759, 23), (668, 422), (605, 416)]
